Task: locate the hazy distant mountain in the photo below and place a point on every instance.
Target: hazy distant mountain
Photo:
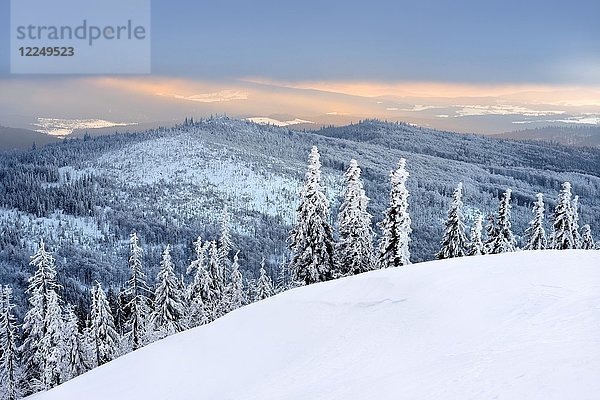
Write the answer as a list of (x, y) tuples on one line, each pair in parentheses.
[(17, 138), (569, 135)]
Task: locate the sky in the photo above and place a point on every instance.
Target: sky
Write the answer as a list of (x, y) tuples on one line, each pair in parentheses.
[(483, 66)]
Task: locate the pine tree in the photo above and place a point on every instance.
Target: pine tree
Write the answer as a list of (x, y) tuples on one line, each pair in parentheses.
[(103, 333), (41, 287), (575, 227), (503, 241), (282, 283), (311, 240), (476, 247), (587, 241), (194, 294), (169, 309), (396, 230), (491, 232), (225, 240), (236, 295), (536, 234), (562, 226), (454, 241), (10, 372), (354, 250), (74, 354), (264, 285), (51, 345), (137, 290)]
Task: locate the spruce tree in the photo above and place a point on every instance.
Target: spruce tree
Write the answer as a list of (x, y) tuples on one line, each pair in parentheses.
[(454, 241), (587, 241), (536, 234), (236, 295), (137, 290), (282, 283), (225, 244), (74, 353), (217, 280), (264, 285), (41, 287), (476, 247), (10, 371), (51, 345), (503, 241), (311, 240), (103, 333), (491, 233), (396, 230), (169, 308), (575, 227), (354, 249), (562, 225)]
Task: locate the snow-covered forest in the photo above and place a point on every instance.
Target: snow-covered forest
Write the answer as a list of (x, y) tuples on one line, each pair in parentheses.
[(57, 341)]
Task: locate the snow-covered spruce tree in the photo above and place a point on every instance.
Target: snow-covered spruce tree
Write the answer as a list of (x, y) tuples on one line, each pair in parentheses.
[(536, 234), (282, 284), (10, 371), (104, 336), (264, 285), (562, 225), (575, 227), (137, 290), (454, 241), (490, 232), (74, 354), (51, 345), (354, 249), (169, 310), (476, 247), (217, 280), (193, 295), (587, 241), (396, 230), (236, 294), (41, 285), (311, 240), (503, 241), (225, 243)]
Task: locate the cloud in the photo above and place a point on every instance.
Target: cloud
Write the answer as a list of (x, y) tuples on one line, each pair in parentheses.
[(214, 97)]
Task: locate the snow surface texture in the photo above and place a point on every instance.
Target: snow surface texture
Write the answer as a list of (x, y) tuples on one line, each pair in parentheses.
[(522, 325)]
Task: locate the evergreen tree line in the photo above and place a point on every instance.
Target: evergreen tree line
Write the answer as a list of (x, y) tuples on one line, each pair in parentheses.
[(317, 256), (54, 345)]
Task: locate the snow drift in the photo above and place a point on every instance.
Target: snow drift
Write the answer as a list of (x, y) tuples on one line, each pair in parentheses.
[(522, 325)]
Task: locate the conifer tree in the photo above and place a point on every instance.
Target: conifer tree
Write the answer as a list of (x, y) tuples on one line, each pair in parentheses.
[(282, 283), (217, 279), (536, 234), (51, 345), (587, 241), (396, 230), (575, 228), (491, 233), (236, 295), (137, 291), (503, 241), (354, 249), (562, 225), (311, 240), (264, 285), (10, 372), (225, 244), (41, 286), (103, 333), (454, 241), (169, 309), (74, 353), (476, 247)]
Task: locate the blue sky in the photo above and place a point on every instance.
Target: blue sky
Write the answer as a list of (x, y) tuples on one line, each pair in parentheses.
[(219, 46)]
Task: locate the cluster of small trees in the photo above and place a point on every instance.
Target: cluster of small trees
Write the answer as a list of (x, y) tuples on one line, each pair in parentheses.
[(56, 345), (565, 232), (317, 256)]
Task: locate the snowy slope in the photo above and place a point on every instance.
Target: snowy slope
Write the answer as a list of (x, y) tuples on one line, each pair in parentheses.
[(514, 326)]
